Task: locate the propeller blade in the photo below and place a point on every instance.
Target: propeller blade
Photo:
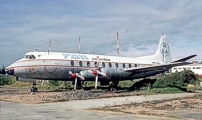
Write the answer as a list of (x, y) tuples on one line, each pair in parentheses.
[(70, 72), (96, 80), (80, 76), (75, 83), (101, 73)]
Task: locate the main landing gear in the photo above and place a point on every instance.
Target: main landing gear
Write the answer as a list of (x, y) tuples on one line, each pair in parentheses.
[(34, 89), (114, 86)]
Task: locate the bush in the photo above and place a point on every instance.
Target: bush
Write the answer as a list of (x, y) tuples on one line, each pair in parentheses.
[(177, 79), (6, 80)]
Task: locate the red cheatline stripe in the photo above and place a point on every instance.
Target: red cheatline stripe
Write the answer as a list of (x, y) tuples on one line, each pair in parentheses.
[(31, 66)]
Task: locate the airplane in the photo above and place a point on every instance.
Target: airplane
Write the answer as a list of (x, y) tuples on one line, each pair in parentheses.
[(91, 67)]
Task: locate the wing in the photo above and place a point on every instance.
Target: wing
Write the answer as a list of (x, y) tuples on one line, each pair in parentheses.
[(185, 58), (156, 67)]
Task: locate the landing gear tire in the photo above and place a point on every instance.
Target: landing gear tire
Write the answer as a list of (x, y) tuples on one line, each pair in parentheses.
[(113, 89), (79, 87), (34, 89), (114, 86)]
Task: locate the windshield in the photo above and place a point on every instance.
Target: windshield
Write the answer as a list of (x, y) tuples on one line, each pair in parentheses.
[(30, 57)]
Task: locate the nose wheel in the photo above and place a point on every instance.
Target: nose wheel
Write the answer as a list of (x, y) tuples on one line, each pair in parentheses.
[(114, 86), (34, 89)]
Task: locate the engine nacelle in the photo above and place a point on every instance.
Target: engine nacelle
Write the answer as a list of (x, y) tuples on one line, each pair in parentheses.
[(25, 79), (88, 75)]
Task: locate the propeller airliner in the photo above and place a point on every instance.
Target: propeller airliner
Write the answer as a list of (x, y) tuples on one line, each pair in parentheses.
[(91, 67)]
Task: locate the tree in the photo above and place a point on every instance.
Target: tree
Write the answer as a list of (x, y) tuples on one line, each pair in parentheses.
[(0, 71), (3, 70), (177, 79)]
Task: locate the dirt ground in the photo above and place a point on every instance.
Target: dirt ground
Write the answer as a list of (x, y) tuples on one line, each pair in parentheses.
[(188, 108), (178, 108), (43, 96)]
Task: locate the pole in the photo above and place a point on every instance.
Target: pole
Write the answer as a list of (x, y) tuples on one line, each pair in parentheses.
[(49, 46), (117, 43)]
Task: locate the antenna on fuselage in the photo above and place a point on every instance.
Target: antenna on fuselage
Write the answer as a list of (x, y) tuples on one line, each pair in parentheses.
[(117, 43), (49, 44)]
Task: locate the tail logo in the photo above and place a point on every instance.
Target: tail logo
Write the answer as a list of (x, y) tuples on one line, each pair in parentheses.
[(164, 48)]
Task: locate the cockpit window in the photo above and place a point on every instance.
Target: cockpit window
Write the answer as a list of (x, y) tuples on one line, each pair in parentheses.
[(26, 56), (30, 57)]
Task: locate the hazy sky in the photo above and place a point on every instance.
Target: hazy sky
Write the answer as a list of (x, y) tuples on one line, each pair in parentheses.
[(25, 23)]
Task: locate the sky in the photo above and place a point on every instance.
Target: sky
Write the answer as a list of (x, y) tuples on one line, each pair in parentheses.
[(25, 24)]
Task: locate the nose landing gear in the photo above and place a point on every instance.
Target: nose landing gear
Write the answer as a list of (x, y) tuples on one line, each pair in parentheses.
[(114, 86), (34, 89)]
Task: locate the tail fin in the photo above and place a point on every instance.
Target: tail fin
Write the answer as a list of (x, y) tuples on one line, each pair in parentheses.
[(162, 53)]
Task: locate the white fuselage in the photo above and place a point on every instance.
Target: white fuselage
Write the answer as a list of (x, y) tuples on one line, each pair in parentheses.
[(65, 66), (57, 65)]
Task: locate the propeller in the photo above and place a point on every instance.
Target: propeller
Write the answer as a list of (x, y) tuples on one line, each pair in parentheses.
[(75, 75), (97, 72), (96, 77)]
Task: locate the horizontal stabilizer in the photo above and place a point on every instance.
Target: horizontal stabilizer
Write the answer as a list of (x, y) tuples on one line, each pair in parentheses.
[(156, 67), (185, 58)]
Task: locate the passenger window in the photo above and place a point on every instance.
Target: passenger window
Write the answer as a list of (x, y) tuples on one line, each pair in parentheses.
[(110, 65), (129, 65), (117, 65), (124, 65), (72, 63), (95, 64), (103, 64), (135, 65), (88, 64), (80, 63)]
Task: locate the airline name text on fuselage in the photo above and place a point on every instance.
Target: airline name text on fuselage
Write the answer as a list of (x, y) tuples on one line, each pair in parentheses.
[(102, 59), (82, 57), (75, 56)]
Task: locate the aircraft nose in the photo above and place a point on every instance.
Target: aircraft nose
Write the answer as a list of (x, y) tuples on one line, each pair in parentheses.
[(10, 71)]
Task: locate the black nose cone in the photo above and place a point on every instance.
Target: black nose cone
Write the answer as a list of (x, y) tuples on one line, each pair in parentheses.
[(10, 72)]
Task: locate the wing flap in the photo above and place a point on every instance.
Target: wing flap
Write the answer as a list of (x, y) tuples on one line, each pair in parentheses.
[(156, 67)]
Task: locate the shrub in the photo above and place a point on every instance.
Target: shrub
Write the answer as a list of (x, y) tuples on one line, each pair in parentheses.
[(177, 79)]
